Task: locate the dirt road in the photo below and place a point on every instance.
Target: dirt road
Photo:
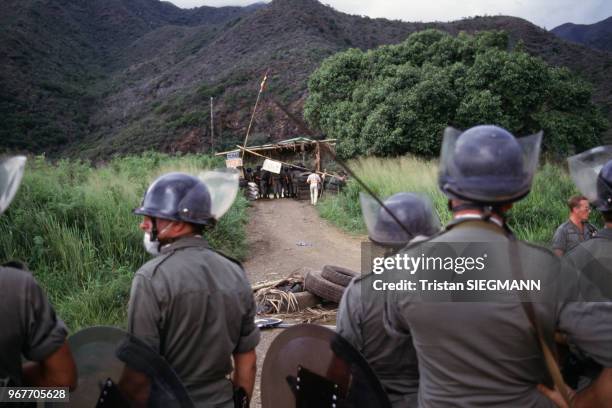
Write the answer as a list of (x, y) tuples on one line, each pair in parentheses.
[(285, 235)]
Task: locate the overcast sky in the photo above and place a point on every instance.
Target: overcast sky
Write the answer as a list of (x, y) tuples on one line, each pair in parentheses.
[(545, 13)]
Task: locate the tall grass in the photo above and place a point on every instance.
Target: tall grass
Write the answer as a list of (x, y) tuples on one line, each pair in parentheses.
[(73, 225), (534, 218)]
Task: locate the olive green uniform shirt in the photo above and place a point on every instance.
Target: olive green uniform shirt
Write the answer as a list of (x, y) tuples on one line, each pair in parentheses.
[(593, 259), (486, 354), (29, 327), (568, 236), (196, 308), (393, 358)]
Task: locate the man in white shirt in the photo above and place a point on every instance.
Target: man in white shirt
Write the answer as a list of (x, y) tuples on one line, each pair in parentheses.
[(314, 180)]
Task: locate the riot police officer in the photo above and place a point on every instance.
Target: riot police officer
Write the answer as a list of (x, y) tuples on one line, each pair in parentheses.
[(491, 347), (592, 173), (360, 316), (190, 303), (30, 327)]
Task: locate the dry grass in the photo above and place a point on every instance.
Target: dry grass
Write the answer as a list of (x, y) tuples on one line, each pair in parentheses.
[(267, 295)]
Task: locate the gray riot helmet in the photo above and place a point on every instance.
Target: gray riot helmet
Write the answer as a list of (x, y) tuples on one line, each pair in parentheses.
[(413, 211), (197, 200), (11, 173), (591, 171), (487, 164)]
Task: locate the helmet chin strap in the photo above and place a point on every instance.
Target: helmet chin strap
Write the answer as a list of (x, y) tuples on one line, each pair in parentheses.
[(154, 229), (155, 232)]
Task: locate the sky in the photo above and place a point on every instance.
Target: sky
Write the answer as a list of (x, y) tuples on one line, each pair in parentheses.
[(544, 13)]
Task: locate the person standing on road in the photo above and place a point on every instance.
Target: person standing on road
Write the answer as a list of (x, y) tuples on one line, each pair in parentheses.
[(30, 327), (314, 180), (190, 303), (360, 316), (487, 348), (576, 229)]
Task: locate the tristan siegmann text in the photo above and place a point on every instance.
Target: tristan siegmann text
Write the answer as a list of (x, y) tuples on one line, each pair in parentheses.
[(443, 273), (459, 272)]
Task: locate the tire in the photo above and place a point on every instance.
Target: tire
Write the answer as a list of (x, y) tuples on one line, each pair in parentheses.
[(338, 275), (314, 283)]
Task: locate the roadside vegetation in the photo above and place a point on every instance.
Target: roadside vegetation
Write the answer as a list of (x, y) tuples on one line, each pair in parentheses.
[(534, 218), (73, 226)]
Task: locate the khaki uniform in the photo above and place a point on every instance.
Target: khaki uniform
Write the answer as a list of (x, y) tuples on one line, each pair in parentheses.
[(568, 236), (594, 260), (486, 354), (29, 328), (196, 308), (393, 358)]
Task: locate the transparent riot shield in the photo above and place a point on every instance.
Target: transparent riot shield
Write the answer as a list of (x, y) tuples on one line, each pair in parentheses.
[(310, 366), (116, 369)]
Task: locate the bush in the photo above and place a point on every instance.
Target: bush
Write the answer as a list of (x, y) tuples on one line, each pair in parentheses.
[(397, 99)]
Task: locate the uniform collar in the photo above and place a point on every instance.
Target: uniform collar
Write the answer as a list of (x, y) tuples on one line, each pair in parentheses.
[(476, 221), (185, 242), (478, 217)]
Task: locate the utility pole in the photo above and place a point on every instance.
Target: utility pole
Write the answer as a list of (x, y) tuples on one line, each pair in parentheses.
[(212, 127)]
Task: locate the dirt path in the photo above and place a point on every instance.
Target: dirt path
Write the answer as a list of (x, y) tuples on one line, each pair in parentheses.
[(284, 236)]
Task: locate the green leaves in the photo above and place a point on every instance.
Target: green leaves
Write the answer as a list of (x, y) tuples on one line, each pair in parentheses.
[(398, 98)]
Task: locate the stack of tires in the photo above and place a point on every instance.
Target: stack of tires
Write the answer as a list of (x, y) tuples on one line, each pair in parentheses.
[(301, 188), (329, 283), (252, 191)]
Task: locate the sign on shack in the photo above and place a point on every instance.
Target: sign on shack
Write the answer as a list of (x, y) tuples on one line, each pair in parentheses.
[(233, 159)]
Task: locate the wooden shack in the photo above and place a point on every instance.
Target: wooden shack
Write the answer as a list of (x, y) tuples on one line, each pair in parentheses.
[(300, 153), (311, 154)]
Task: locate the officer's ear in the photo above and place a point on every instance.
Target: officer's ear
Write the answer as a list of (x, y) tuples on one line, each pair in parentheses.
[(180, 228)]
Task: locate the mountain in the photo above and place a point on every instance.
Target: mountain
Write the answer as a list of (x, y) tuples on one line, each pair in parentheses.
[(56, 54), (91, 79), (597, 35)]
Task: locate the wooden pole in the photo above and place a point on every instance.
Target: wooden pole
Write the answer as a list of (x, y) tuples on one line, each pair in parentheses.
[(261, 88)]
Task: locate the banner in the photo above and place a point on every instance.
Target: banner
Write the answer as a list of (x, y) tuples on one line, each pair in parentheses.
[(272, 166), (233, 162)]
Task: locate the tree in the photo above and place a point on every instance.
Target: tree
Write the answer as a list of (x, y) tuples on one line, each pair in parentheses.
[(398, 98)]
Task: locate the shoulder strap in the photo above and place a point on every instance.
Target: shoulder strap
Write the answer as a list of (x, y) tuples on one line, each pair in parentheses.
[(234, 260), (549, 352)]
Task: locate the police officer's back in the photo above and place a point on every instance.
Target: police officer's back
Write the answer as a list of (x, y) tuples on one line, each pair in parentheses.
[(190, 303), (360, 316), (30, 327), (485, 351)]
